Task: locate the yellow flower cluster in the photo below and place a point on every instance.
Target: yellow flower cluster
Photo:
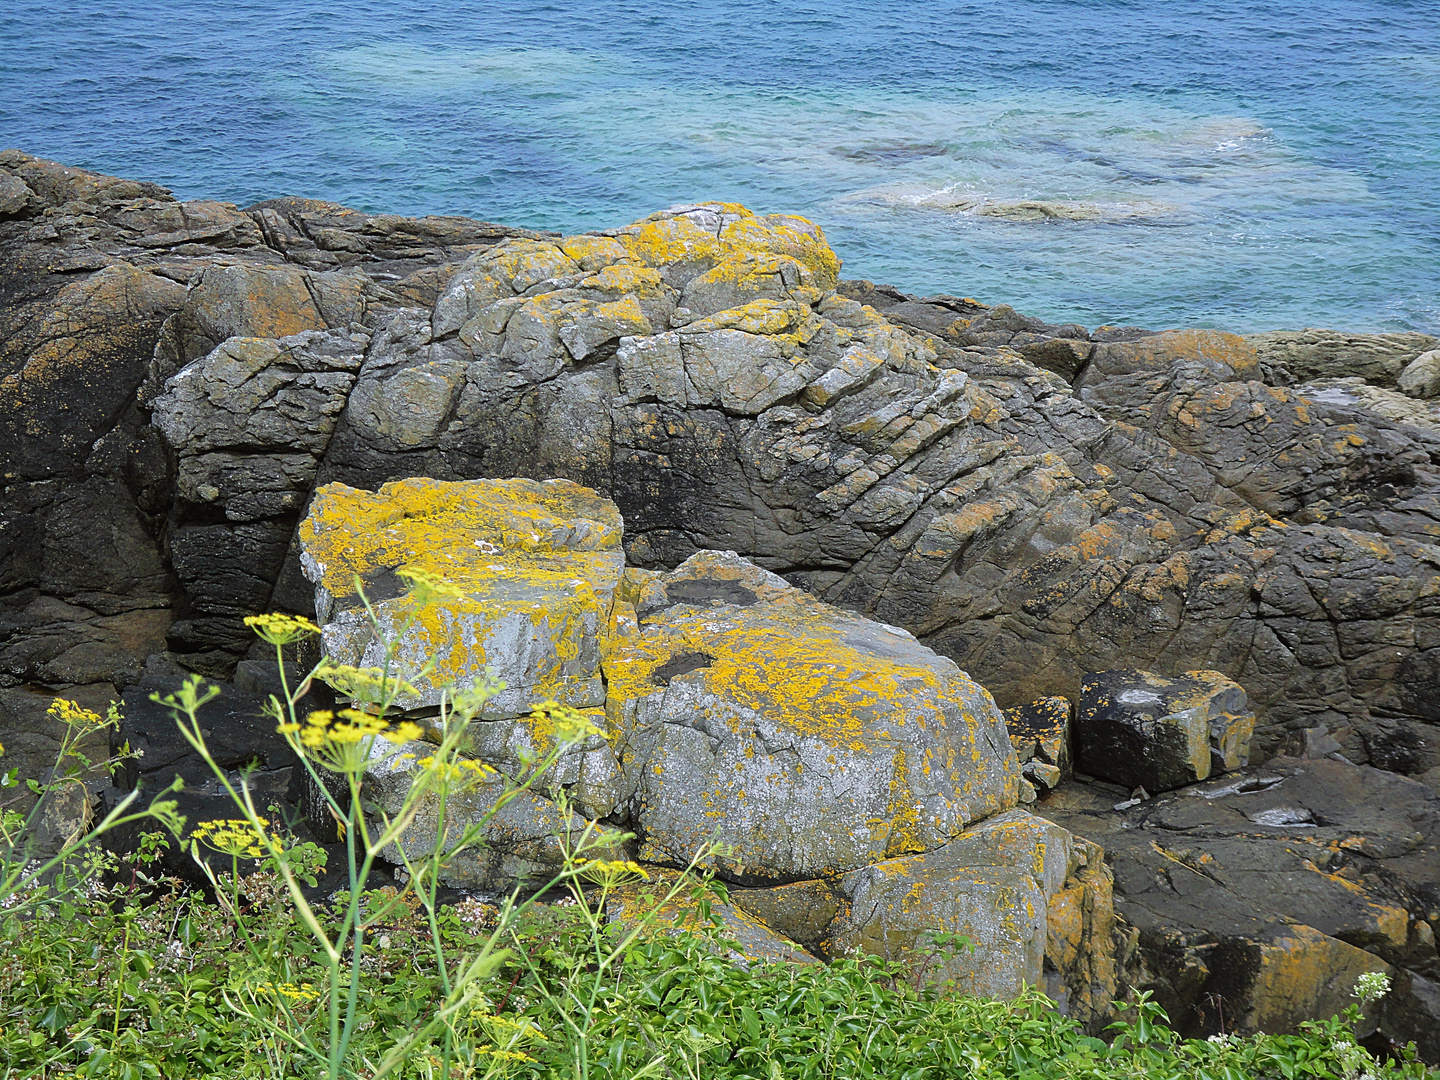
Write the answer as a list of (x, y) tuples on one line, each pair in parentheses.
[(505, 1029), (237, 838), (612, 872), (342, 741), (456, 772), (280, 629), (76, 715), (363, 684), (502, 1055), (303, 992), (348, 727)]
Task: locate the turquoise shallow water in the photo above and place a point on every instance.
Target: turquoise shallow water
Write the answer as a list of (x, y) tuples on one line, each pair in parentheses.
[(1244, 165)]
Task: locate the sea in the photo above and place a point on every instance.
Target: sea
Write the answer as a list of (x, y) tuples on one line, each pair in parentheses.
[(1245, 165)]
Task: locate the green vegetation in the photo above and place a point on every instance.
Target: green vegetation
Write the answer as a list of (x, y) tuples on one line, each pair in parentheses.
[(144, 979)]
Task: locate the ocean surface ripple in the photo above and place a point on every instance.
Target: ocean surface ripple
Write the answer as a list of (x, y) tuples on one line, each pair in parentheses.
[(1236, 164)]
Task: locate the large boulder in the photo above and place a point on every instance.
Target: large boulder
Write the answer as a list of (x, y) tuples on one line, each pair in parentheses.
[(1141, 730), (531, 568), (810, 740), (523, 842), (1033, 900)]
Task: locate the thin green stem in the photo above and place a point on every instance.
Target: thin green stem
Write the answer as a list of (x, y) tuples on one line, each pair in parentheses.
[(120, 984)]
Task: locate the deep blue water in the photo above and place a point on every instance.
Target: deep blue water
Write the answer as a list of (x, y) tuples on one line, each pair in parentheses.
[(1244, 165)]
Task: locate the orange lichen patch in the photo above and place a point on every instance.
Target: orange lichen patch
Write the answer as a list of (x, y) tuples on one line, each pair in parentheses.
[(667, 239), (524, 263), (626, 278), (593, 253), (276, 304), (527, 569), (86, 322), (764, 316), (788, 235), (1246, 522), (1303, 974), (661, 241), (463, 529), (1154, 583), (791, 663), (1159, 350), (848, 739), (1065, 926), (1393, 923), (1101, 540)]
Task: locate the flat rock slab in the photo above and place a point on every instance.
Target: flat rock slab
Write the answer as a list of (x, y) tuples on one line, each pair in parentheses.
[(810, 739), (533, 568), (1271, 887)]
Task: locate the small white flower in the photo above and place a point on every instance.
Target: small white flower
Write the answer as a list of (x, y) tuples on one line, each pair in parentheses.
[(1372, 986)]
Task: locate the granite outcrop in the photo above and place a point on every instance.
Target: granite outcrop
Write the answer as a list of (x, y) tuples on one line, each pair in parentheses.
[(1032, 502), (828, 754)]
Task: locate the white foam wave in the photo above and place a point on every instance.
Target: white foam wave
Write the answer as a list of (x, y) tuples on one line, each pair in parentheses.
[(1023, 210)]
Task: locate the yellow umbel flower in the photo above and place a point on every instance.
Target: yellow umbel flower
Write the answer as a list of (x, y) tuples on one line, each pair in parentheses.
[(369, 686), (280, 629), (76, 715), (341, 741), (237, 838), (289, 991), (612, 872), (521, 1027), (502, 1055)]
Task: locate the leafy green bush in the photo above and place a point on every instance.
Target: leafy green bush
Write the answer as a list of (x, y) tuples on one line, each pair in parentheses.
[(34, 867), (676, 1003)]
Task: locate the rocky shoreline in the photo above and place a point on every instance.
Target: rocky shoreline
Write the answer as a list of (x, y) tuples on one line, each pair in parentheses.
[(1037, 503)]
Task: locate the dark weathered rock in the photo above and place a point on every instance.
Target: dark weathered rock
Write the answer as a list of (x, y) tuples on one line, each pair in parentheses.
[(1271, 889), (107, 287), (1311, 354), (1141, 730), (1041, 731)]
